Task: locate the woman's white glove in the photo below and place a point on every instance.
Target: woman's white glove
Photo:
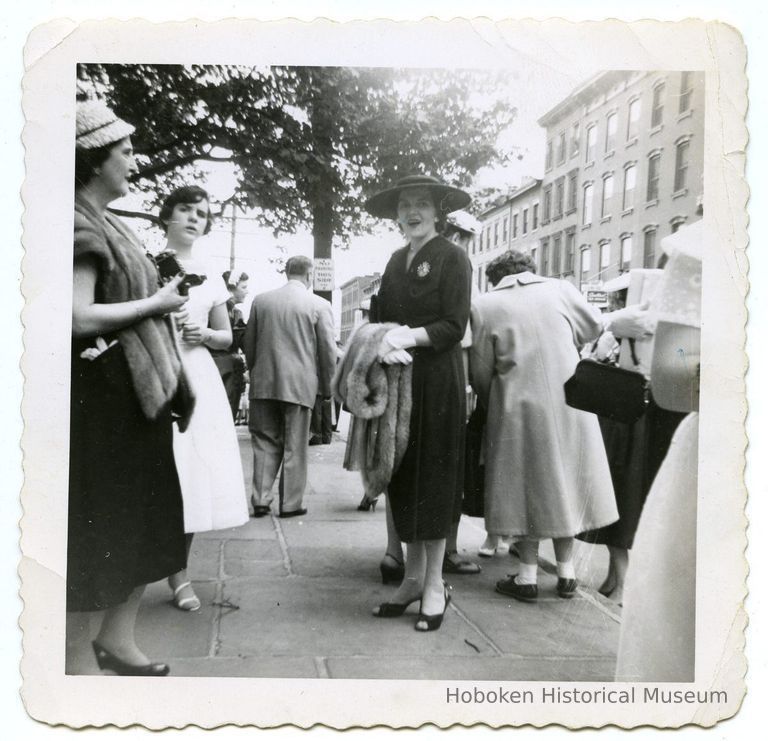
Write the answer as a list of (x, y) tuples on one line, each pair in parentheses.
[(398, 338), (397, 356)]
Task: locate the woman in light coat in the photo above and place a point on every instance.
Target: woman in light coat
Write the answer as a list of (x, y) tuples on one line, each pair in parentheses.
[(546, 473)]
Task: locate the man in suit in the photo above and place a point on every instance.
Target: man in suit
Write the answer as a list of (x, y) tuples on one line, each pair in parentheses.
[(291, 356)]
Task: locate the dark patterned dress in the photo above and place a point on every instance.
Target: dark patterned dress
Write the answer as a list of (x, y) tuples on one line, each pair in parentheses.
[(434, 292)]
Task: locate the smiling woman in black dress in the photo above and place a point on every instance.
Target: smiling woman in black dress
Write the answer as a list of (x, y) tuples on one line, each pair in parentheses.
[(426, 289)]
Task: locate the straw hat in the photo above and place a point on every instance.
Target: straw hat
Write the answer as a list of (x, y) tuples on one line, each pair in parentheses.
[(447, 198), (97, 126)]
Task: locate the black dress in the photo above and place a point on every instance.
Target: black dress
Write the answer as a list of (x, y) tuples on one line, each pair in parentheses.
[(434, 292)]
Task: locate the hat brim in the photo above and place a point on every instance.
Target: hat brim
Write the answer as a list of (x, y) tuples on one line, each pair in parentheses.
[(447, 199), (113, 132)]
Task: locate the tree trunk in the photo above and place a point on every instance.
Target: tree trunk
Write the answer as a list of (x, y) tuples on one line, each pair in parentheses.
[(323, 235)]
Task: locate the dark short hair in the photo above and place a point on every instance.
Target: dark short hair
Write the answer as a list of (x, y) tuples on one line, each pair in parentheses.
[(509, 263), (87, 160), (298, 265), (185, 194), (227, 274)]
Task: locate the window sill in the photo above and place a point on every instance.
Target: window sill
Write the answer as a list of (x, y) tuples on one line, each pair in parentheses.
[(605, 220), (557, 217), (652, 203), (656, 130), (680, 193), (589, 164), (631, 142), (586, 226), (609, 154), (570, 211), (627, 211), (685, 114)]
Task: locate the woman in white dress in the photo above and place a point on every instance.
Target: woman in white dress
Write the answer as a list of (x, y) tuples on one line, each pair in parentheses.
[(207, 454)]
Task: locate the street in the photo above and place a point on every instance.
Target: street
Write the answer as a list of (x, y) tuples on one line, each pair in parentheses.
[(293, 598)]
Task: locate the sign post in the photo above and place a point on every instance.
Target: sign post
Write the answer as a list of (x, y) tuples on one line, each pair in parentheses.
[(323, 277)]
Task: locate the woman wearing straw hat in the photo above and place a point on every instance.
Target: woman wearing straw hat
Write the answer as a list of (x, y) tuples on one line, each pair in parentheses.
[(126, 525), (426, 290)]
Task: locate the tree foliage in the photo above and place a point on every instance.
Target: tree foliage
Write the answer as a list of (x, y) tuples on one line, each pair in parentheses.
[(308, 144)]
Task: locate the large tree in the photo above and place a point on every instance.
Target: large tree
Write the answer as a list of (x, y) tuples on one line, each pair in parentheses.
[(307, 143)]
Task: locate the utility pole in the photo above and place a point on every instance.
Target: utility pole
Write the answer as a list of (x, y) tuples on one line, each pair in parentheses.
[(232, 238)]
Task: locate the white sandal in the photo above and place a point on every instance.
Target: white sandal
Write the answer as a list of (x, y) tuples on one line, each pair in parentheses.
[(189, 604)]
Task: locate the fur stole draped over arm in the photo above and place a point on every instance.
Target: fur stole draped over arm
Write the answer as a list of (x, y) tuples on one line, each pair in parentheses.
[(379, 397), (126, 274)]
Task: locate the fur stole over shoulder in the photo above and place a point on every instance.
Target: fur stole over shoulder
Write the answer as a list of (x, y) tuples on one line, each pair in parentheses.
[(379, 397), (126, 274)]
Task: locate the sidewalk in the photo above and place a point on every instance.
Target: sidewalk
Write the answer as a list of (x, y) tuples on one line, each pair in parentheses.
[(293, 598)]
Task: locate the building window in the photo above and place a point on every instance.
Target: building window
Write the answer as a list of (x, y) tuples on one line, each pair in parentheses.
[(504, 230), (548, 158), (545, 257), (626, 251), (676, 223), (605, 255), (591, 143), (547, 204), (586, 262), (649, 248), (633, 119), (605, 206), (479, 278), (657, 107), (559, 197), (535, 224), (534, 257), (572, 196), (514, 226), (686, 91), (681, 165), (630, 175), (474, 244), (496, 234), (611, 122), (570, 248), (586, 213), (557, 246), (561, 148), (525, 221), (574, 139), (654, 165)]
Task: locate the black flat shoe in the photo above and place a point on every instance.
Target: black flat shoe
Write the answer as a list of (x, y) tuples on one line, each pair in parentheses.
[(392, 609), (433, 622), (566, 588), (107, 660), (295, 513), (259, 510), (391, 574), (521, 592)]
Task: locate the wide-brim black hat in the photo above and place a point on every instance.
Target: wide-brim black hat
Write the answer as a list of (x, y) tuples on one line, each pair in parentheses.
[(447, 197)]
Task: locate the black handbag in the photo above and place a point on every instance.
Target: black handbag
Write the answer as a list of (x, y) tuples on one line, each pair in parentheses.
[(473, 503), (608, 391)]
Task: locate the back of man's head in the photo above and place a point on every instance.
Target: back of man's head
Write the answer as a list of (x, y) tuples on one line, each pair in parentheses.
[(297, 267)]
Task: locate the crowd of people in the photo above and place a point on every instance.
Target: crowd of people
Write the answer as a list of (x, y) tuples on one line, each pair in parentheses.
[(158, 376)]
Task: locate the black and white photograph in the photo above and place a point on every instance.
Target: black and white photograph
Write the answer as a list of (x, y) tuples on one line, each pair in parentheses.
[(380, 371)]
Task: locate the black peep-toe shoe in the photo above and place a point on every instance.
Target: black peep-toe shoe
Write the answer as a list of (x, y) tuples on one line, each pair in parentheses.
[(108, 661), (393, 609), (391, 574), (433, 621)]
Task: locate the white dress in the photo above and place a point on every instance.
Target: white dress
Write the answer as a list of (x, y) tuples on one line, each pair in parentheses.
[(207, 453)]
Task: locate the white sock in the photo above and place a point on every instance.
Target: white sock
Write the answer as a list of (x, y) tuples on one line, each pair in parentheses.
[(565, 570), (527, 574)]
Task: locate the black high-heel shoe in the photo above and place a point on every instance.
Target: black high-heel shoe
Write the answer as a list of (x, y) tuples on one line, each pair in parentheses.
[(367, 505), (391, 574), (433, 621), (107, 660), (393, 609)]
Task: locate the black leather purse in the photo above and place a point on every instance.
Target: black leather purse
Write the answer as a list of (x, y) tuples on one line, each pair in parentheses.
[(608, 391)]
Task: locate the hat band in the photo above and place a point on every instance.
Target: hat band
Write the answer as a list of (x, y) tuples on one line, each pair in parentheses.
[(98, 128)]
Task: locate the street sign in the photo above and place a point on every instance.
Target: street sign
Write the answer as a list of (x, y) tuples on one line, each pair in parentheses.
[(323, 280), (597, 297)]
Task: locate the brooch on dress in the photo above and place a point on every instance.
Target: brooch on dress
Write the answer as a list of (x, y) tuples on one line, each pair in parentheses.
[(423, 269)]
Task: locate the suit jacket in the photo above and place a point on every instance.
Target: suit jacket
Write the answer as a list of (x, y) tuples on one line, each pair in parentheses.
[(289, 345)]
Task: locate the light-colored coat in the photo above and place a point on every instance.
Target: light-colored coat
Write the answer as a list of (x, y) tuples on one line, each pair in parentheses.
[(546, 470), (289, 345)]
